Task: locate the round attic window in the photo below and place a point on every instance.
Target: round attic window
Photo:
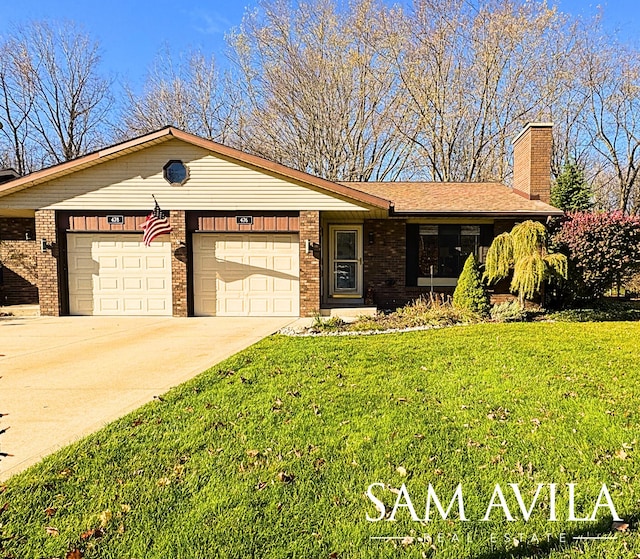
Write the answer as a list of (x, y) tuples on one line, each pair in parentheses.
[(175, 172)]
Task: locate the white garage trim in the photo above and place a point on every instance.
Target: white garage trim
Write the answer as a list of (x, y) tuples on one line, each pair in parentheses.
[(253, 274), (115, 274)]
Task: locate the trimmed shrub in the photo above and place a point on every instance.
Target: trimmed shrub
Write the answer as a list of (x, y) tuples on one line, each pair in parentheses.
[(470, 293)]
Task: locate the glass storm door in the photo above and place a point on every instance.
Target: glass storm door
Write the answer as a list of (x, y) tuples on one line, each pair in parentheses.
[(346, 261)]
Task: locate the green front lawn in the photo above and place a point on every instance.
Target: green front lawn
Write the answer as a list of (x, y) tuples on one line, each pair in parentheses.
[(271, 453)]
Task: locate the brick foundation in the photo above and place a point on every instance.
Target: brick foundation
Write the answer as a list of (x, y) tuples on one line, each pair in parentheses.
[(309, 263), (179, 262), (49, 291), (19, 275)]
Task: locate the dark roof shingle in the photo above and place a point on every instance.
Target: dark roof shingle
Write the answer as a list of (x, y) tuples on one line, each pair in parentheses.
[(454, 198)]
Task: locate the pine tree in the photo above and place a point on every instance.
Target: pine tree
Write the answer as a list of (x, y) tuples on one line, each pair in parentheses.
[(470, 293), (572, 192)]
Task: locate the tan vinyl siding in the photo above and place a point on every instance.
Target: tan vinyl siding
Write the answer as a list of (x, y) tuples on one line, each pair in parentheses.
[(128, 182)]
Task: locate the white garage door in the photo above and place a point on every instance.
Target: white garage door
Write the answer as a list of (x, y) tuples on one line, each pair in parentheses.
[(246, 275), (115, 274)]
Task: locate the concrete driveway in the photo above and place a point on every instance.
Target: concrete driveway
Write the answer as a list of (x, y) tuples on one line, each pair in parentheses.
[(65, 377)]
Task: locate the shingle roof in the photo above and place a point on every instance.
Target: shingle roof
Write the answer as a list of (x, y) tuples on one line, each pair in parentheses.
[(454, 198)]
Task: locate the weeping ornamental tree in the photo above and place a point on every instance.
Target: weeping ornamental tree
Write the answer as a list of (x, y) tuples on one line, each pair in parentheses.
[(524, 251)]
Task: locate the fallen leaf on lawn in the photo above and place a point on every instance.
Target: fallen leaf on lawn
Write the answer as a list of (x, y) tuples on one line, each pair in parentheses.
[(50, 511), (94, 533), (261, 485), (333, 555), (52, 531), (620, 526), (285, 477), (125, 508), (75, 554), (621, 454), (105, 518), (252, 453), (402, 471), (407, 541)]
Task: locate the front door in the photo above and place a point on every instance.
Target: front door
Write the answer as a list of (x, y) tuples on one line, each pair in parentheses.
[(346, 261)]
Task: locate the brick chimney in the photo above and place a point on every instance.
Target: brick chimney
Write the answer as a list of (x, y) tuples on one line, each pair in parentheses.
[(532, 161)]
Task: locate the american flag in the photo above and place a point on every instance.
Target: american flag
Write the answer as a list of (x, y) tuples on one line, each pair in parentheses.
[(156, 224)]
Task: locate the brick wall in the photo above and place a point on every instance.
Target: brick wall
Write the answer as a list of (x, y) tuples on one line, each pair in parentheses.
[(385, 264), (50, 304), (532, 162), (18, 256), (179, 262), (309, 263)]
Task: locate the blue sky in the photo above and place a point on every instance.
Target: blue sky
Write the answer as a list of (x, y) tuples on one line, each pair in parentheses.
[(133, 32)]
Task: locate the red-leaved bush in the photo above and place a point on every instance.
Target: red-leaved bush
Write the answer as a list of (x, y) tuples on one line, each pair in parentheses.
[(603, 249)]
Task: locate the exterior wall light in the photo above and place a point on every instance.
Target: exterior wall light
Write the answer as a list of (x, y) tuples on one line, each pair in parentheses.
[(45, 246)]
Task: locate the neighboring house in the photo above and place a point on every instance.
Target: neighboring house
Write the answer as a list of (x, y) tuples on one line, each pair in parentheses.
[(249, 236)]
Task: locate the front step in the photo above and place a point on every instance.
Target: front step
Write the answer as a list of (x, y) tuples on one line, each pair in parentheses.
[(349, 312)]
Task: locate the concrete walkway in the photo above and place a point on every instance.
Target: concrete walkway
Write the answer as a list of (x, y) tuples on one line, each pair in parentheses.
[(62, 378)]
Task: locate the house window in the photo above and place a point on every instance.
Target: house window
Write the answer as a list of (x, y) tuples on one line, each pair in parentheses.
[(175, 172), (441, 250)]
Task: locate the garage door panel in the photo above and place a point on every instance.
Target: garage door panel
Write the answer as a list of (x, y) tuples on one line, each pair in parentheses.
[(259, 242), (109, 284), (254, 274), (282, 306), (131, 262), (281, 285), (258, 307), (106, 304), (233, 306), (157, 284), (156, 263), (114, 274), (132, 284), (133, 305), (108, 262), (84, 263), (284, 264), (158, 305), (259, 284)]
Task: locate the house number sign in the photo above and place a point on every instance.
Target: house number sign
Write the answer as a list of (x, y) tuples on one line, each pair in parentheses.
[(115, 219), (244, 220)]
